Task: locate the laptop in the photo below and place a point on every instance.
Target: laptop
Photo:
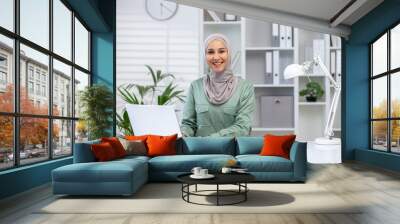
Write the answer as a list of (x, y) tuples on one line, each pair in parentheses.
[(153, 119)]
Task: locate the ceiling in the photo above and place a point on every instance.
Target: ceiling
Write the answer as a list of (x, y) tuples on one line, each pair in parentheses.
[(320, 9), (326, 16)]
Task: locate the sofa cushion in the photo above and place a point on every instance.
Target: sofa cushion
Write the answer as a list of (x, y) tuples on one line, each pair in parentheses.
[(103, 152), (277, 145), (208, 145), (257, 163), (249, 145), (158, 145), (185, 163), (112, 171), (116, 145), (83, 152)]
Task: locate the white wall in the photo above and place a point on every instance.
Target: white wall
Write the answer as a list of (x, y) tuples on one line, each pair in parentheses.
[(172, 46)]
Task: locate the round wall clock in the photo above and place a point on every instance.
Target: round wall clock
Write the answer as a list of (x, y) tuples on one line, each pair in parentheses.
[(161, 10)]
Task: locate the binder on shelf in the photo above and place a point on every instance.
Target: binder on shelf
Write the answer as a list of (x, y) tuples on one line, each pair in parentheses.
[(333, 64), (214, 16), (338, 66), (268, 67), (289, 37), (275, 67), (275, 35), (282, 36)]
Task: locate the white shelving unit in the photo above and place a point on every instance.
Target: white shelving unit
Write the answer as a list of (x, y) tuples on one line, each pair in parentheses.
[(253, 39)]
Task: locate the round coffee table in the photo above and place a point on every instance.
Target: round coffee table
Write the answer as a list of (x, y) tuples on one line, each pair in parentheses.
[(238, 179)]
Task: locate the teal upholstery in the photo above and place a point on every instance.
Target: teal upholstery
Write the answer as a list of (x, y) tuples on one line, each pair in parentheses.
[(249, 145), (119, 177), (83, 152), (184, 163), (208, 145), (257, 163), (125, 176)]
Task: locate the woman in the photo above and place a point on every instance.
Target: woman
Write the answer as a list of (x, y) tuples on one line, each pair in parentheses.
[(218, 104)]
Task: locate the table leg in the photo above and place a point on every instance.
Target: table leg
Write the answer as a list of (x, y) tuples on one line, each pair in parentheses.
[(196, 188), (245, 193), (217, 194)]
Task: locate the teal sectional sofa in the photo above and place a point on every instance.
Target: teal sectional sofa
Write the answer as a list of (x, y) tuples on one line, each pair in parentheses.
[(125, 176)]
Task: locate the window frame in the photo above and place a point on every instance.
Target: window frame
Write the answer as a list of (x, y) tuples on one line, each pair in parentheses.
[(16, 114), (388, 74)]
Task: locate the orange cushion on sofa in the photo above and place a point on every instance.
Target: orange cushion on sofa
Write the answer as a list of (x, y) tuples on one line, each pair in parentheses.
[(136, 138), (161, 145), (275, 145), (116, 145), (103, 152)]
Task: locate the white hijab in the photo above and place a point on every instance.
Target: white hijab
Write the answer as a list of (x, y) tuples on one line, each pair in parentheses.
[(219, 88)]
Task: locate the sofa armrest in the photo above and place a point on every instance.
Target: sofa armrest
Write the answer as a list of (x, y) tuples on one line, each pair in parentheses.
[(83, 152), (298, 155)]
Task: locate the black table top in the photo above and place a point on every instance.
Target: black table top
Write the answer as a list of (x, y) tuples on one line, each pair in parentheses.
[(220, 178)]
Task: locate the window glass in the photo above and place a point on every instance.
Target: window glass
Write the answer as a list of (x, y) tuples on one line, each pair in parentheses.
[(62, 138), (7, 14), (39, 62), (33, 139), (395, 136), (62, 29), (6, 74), (81, 131), (379, 56), (395, 47), (81, 45), (81, 81), (379, 135), (6, 142), (379, 97), (62, 89), (34, 21), (395, 95)]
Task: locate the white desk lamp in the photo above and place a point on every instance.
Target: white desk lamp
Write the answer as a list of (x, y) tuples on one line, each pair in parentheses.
[(325, 149)]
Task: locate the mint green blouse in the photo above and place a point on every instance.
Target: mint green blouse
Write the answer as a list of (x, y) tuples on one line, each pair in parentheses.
[(233, 118)]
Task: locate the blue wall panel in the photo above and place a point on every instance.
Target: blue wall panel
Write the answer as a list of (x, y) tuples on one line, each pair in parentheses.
[(24, 178), (356, 95)]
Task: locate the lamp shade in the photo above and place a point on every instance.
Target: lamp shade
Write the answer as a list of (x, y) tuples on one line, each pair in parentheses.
[(293, 70)]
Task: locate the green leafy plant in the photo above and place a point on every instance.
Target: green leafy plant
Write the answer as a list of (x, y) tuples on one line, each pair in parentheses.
[(313, 91), (97, 103), (139, 94)]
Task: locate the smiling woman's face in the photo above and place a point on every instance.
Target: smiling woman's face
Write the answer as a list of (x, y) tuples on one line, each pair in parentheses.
[(217, 56)]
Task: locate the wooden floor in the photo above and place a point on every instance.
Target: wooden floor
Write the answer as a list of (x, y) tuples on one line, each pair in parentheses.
[(378, 188)]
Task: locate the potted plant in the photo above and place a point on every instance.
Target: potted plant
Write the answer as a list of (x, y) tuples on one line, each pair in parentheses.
[(312, 92), (147, 94), (96, 102)]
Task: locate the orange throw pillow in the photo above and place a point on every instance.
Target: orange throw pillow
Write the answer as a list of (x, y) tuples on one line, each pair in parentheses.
[(161, 145), (116, 145), (275, 145), (103, 152), (136, 138)]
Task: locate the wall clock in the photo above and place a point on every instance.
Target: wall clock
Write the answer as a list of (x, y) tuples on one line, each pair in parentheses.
[(161, 10)]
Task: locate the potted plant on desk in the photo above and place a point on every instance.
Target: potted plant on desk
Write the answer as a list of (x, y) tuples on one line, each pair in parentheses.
[(312, 92)]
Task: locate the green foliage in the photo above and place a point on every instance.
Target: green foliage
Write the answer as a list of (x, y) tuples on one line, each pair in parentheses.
[(313, 89), (97, 104), (136, 94)]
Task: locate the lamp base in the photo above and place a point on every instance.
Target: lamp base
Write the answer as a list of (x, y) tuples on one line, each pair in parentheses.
[(324, 151)]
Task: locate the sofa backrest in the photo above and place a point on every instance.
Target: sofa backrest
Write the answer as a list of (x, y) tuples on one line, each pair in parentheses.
[(206, 145), (249, 145), (83, 152)]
